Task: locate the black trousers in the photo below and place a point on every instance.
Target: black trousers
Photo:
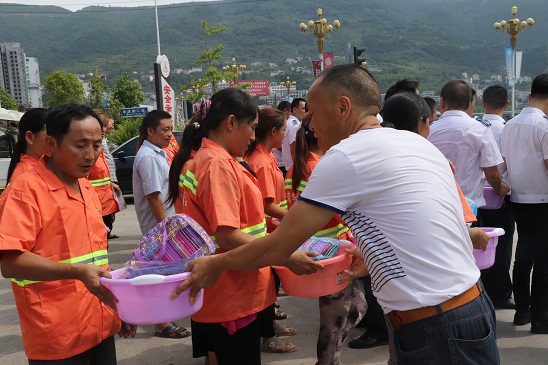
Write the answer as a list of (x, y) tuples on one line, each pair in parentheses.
[(102, 354), (531, 253), (496, 279), (374, 317)]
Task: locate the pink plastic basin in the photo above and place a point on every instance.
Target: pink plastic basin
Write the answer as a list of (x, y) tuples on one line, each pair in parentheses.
[(145, 299), (486, 259), (323, 282), (492, 199)]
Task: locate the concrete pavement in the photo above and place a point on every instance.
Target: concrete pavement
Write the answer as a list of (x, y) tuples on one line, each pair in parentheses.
[(516, 344)]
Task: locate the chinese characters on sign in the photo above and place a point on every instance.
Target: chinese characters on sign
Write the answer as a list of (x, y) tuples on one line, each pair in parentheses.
[(257, 87), (168, 98)]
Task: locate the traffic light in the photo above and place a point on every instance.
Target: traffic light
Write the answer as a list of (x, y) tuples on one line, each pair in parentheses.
[(357, 60)]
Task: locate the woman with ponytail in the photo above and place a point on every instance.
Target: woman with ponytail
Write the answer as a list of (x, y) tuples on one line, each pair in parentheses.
[(31, 143), (225, 199), (341, 311)]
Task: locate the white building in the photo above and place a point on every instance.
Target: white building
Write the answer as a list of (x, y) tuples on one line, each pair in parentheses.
[(14, 72), (33, 77)]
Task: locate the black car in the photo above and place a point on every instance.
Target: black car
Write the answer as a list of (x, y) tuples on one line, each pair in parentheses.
[(124, 155)]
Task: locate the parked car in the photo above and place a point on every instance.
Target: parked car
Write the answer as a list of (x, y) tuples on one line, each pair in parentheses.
[(124, 155)]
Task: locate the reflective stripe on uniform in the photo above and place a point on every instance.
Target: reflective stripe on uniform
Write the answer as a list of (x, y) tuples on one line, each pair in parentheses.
[(258, 230), (333, 232), (97, 258), (189, 180), (100, 182), (288, 185)]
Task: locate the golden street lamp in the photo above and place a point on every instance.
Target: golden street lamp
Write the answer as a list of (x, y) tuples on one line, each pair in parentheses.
[(288, 85), (513, 27), (235, 68), (320, 29)]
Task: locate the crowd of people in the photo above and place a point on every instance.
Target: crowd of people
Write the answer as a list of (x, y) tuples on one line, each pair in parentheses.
[(393, 178)]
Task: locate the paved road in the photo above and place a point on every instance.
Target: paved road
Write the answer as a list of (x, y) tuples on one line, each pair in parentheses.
[(517, 345)]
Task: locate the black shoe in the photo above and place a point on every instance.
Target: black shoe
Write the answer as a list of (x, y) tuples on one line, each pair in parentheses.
[(521, 319), (366, 342), (539, 328), (507, 304)]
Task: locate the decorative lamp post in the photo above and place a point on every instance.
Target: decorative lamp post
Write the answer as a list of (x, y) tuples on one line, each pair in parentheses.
[(288, 85), (513, 27), (235, 69), (320, 29)]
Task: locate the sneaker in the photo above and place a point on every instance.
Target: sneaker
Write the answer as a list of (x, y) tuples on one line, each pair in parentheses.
[(521, 319), (366, 342)]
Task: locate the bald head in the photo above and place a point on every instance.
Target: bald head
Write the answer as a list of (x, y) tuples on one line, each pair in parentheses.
[(353, 82)]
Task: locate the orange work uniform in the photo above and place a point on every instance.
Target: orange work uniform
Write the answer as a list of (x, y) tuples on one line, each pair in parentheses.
[(270, 178), (218, 191), (99, 177), (25, 164), (171, 149), (59, 319), (335, 228)]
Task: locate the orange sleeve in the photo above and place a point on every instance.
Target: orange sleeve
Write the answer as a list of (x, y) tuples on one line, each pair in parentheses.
[(469, 216), (219, 195), (20, 223), (267, 182)]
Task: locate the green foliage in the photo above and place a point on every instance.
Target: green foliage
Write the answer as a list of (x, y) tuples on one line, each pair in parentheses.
[(128, 92), (62, 88), (6, 101), (97, 90), (113, 110), (125, 130)]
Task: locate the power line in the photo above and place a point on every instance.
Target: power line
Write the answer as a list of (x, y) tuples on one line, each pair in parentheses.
[(120, 9)]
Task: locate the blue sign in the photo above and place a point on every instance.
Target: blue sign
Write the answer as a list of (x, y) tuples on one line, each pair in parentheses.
[(133, 112)]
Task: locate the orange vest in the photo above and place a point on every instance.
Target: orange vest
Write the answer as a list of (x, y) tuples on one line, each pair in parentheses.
[(335, 228), (60, 318), (99, 177), (270, 178), (218, 191)]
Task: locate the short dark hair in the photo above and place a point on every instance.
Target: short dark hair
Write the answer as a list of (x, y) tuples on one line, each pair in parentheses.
[(284, 105), (495, 96), (297, 103), (457, 94), (59, 119), (401, 86), (405, 110), (151, 120), (354, 82), (431, 103), (539, 88)]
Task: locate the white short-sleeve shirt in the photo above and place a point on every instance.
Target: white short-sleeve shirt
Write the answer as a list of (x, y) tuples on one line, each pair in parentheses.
[(470, 146), (292, 126), (397, 194), (497, 124), (524, 143)]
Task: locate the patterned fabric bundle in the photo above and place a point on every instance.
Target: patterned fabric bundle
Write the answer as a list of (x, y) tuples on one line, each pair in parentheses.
[(325, 247), (176, 238)]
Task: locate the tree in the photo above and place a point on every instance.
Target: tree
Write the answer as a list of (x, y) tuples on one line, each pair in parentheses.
[(97, 91), (128, 92), (6, 101), (62, 88)]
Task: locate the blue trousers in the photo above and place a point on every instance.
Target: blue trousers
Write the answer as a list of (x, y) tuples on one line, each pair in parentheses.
[(465, 335)]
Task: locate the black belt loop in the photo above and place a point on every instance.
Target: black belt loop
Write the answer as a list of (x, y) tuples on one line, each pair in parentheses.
[(439, 309)]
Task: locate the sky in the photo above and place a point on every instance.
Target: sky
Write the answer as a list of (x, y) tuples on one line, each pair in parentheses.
[(79, 4)]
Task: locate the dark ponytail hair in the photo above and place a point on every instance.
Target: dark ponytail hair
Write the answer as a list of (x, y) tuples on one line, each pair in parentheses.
[(268, 118), (226, 102), (32, 121), (303, 141), (151, 120)]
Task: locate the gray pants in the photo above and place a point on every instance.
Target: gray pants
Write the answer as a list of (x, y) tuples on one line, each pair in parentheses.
[(339, 314)]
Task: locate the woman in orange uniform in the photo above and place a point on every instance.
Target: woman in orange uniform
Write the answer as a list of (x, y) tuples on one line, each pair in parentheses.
[(339, 312), (31, 143), (57, 253), (224, 198)]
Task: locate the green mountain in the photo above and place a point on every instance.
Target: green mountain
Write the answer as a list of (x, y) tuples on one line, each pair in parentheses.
[(428, 40)]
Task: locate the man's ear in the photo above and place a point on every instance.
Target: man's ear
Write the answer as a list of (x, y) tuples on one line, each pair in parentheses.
[(50, 142), (345, 105)]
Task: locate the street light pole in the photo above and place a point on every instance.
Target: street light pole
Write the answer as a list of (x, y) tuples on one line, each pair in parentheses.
[(320, 29), (157, 28), (235, 69), (513, 27)]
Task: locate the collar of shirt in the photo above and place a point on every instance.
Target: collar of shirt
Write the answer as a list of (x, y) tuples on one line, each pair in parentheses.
[(454, 113), (530, 110), (54, 183), (155, 148), (207, 143), (493, 117)]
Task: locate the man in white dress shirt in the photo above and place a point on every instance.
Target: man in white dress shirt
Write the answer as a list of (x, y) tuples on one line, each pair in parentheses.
[(298, 111), (524, 142), (467, 143)]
